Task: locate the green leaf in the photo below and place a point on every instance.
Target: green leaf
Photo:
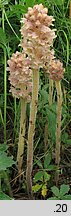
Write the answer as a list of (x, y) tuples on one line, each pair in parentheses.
[(40, 1), (36, 188), (3, 2), (38, 176), (64, 189), (53, 198), (30, 3), (66, 197), (46, 176), (47, 160), (57, 2), (51, 114), (5, 161), (55, 191), (3, 148), (3, 196), (38, 162), (52, 167), (44, 190), (44, 96), (68, 142), (15, 10), (64, 137)]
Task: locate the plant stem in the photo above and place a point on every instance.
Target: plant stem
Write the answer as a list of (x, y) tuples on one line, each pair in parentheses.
[(6, 180), (50, 91), (15, 108), (0, 181), (50, 94), (5, 95), (5, 81), (50, 103), (15, 118), (31, 131), (58, 123), (46, 136), (21, 135), (11, 26), (70, 10)]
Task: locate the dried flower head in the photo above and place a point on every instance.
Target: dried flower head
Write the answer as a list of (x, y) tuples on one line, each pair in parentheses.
[(20, 75), (37, 37), (56, 70)]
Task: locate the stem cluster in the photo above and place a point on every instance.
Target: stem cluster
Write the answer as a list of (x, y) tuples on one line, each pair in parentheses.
[(37, 43)]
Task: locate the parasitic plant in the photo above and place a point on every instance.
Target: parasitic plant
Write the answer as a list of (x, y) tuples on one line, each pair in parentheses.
[(56, 71), (37, 44), (21, 86), (37, 40)]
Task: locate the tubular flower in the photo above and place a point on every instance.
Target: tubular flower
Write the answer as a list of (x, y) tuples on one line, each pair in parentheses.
[(20, 75), (37, 37), (56, 70)]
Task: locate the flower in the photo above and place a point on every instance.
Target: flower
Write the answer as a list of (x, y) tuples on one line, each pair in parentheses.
[(20, 75), (56, 70), (37, 36)]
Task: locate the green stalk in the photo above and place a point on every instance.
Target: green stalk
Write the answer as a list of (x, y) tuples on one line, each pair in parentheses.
[(50, 91), (11, 26), (51, 82), (0, 182), (1, 117), (21, 135), (3, 18), (15, 113), (31, 131), (46, 136), (6, 180), (5, 95), (5, 81), (70, 10), (15, 118), (58, 125)]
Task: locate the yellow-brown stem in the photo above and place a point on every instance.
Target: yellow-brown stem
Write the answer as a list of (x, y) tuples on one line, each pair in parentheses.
[(64, 94), (58, 123), (70, 10), (20, 151), (31, 131), (50, 91)]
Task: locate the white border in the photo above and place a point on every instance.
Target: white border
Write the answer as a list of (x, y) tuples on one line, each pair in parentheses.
[(33, 208)]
